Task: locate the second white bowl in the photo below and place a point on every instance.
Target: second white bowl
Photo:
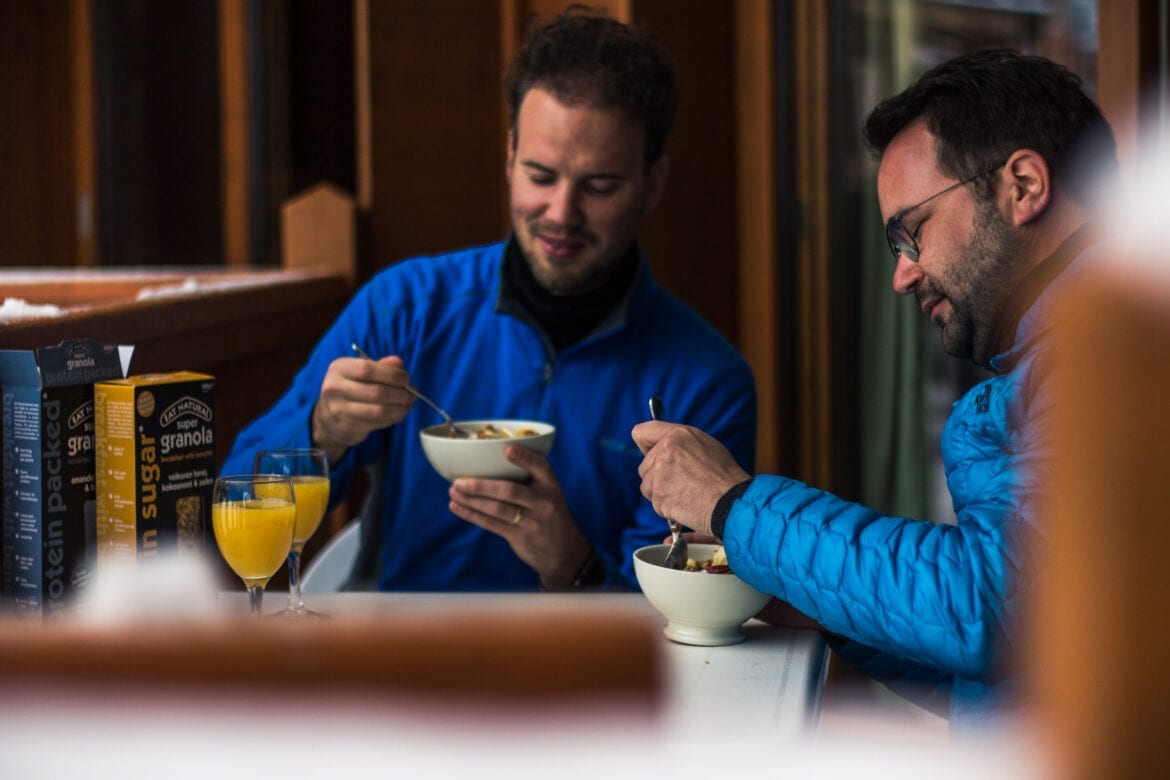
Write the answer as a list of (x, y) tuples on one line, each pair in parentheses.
[(700, 608)]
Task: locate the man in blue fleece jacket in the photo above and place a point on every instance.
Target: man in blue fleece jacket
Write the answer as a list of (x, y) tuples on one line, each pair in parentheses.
[(562, 323), (987, 169)]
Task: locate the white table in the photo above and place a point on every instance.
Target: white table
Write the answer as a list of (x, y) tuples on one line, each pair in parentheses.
[(768, 686), (723, 706)]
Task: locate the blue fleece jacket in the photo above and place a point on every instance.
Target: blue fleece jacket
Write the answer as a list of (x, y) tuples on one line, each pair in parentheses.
[(443, 316)]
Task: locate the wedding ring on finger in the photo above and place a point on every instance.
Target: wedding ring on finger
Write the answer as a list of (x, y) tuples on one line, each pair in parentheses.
[(517, 517)]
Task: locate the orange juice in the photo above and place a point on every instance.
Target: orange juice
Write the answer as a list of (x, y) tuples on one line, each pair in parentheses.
[(312, 495), (254, 536)]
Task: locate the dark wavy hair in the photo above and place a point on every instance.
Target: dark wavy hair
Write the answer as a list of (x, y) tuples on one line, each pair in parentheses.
[(985, 105), (583, 55)]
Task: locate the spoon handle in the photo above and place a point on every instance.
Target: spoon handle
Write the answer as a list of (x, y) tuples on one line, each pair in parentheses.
[(360, 352), (414, 391)]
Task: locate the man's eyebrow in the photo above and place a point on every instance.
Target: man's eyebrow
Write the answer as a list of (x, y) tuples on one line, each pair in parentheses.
[(537, 166), (914, 207), (533, 165), (606, 176)]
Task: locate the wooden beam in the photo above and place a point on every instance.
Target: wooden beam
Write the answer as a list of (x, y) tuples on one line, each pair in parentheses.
[(234, 130), (756, 229), (814, 350), (361, 81), (84, 133)]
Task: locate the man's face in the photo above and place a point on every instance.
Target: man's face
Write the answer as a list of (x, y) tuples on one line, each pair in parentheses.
[(969, 258), (579, 189)]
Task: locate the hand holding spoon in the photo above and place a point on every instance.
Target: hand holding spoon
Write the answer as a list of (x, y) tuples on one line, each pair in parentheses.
[(452, 431)]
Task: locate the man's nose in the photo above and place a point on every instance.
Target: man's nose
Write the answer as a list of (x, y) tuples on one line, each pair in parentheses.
[(563, 207), (907, 275)]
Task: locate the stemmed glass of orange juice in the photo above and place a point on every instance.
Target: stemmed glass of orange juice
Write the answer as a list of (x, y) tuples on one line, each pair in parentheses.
[(254, 516), (308, 469)]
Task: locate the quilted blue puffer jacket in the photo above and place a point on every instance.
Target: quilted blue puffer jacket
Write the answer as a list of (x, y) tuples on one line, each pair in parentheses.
[(918, 605), (926, 608)]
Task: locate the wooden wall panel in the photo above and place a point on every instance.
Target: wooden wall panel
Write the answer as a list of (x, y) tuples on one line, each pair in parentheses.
[(438, 134), (691, 238), (437, 144), (37, 146)]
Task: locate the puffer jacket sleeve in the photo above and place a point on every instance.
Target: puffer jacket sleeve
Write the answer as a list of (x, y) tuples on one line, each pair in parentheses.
[(927, 594)]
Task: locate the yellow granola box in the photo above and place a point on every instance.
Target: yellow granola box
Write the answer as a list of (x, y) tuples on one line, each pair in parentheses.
[(155, 464)]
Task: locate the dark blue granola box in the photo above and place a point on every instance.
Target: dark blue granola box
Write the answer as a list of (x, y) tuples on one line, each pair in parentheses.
[(49, 537)]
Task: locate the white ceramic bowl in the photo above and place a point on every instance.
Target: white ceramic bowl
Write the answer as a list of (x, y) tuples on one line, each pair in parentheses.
[(483, 458), (700, 608)]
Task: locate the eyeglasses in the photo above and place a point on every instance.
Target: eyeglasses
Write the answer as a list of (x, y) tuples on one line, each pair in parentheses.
[(902, 241)]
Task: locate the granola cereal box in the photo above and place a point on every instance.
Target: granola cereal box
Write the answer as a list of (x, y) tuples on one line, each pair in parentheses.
[(155, 464), (49, 502)]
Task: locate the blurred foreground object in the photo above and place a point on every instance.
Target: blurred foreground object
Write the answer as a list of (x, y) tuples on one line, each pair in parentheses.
[(598, 656), (1100, 612), (170, 589)]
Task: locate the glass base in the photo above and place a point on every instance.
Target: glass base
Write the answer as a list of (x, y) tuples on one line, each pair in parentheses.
[(298, 613)]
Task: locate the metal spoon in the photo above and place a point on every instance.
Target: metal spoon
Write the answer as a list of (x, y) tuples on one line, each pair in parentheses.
[(452, 431), (676, 556)]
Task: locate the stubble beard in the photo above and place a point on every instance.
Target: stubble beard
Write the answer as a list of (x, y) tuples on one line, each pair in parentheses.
[(561, 281), (985, 273)]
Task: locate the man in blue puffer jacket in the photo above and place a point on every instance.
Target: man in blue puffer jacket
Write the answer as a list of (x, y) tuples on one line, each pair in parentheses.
[(987, 167)]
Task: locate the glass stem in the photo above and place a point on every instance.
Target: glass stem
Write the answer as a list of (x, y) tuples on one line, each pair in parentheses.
[(295, 601), (255, 597)]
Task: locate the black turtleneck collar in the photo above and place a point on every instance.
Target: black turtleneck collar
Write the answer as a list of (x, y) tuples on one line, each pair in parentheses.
[(565, 319)]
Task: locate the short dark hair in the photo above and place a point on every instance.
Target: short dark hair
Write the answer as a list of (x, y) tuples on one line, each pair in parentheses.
[(985, 105), (584, 55)]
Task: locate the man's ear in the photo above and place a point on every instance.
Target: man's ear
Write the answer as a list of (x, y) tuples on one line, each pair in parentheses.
[(1029, 190), (656, 182)]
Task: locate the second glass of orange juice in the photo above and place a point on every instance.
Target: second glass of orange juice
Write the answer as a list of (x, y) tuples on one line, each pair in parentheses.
[(308, 469)]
